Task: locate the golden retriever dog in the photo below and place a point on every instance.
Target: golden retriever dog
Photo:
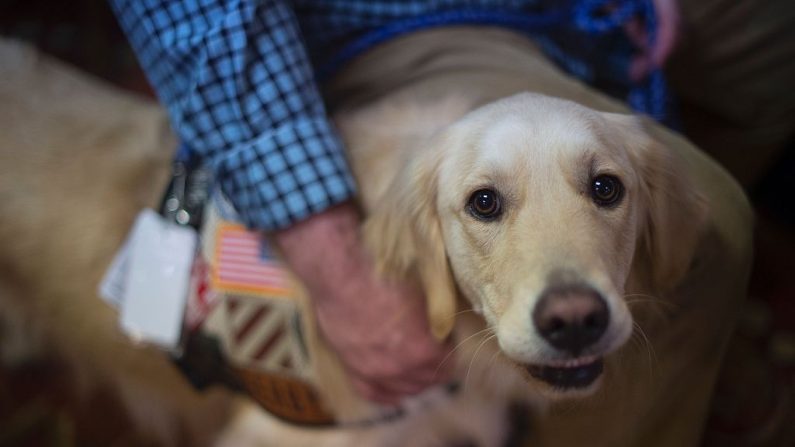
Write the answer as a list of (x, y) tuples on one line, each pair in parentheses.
[(588, 264)]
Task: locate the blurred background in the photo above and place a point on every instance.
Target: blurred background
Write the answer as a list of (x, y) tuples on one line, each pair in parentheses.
[(734, 76)]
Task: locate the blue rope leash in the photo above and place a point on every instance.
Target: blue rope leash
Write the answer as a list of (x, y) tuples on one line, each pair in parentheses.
[(594, 17), (650, 96)]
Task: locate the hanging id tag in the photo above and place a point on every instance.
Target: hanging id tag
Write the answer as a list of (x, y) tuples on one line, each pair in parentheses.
[(158, 267)]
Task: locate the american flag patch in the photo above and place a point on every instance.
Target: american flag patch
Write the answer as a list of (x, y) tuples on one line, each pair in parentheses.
[(242, 264)]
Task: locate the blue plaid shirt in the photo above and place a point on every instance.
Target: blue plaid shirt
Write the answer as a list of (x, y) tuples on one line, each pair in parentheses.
[(237, 78)]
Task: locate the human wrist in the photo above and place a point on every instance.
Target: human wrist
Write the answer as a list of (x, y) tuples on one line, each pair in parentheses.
[(323, 247)]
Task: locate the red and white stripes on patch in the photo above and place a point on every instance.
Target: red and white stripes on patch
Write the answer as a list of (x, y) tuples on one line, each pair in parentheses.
[(240, 264), (259, 334)]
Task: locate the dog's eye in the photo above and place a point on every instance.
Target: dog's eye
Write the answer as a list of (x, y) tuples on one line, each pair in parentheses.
[(485, 204), (606, 190)]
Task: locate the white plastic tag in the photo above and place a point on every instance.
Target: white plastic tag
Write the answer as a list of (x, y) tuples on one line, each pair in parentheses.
[(158, 276), (111, 288)]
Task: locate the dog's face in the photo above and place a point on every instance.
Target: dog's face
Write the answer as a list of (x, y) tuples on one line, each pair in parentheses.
[(540, 207)]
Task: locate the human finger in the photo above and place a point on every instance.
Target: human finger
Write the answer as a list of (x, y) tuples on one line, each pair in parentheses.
[(667, 30)]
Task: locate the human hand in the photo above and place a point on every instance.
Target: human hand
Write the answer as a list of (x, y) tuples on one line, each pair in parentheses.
[(379, 328), (654, 56)]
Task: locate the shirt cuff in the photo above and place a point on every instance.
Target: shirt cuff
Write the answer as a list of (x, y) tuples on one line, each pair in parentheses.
[(287, 175)]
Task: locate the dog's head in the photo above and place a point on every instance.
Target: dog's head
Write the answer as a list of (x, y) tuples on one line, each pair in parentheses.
[(536, 210)]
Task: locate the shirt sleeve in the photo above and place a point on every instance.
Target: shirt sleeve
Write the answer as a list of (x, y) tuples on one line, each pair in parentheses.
[(240, 91)]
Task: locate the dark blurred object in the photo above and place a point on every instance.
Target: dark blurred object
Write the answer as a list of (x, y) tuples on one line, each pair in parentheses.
[(39, 409), (776, 191), (732, 72), (203, 363), (82, 32)]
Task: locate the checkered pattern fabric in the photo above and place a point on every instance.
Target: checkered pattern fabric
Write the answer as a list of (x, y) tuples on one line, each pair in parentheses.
[(238, 80), (240, 91)]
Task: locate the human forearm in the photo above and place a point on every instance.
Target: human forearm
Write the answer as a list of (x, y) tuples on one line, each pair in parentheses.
[(379, 327)]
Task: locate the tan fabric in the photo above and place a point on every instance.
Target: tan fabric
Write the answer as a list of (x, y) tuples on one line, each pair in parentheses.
[(734, 71)]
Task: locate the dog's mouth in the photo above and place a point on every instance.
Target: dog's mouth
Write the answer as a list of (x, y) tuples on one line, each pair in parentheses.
[(569, 374)]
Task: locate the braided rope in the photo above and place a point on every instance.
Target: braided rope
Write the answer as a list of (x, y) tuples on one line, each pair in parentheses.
[(650, 95)]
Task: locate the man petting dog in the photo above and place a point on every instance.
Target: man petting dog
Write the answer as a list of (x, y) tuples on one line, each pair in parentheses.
[(238, 79)]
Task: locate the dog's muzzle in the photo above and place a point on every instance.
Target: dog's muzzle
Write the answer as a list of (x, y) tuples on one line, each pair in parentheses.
[(571, 318)]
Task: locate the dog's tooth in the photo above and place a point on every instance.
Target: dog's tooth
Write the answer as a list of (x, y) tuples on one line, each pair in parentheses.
[(572, 363)]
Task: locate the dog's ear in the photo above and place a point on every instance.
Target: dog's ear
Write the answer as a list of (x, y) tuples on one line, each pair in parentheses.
[(674, 211), (404, 233)]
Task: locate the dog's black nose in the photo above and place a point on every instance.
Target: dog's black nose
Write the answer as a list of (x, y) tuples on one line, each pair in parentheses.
[(571, 318)]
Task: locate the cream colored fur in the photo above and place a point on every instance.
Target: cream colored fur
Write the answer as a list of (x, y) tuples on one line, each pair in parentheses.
[(672, 261)]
